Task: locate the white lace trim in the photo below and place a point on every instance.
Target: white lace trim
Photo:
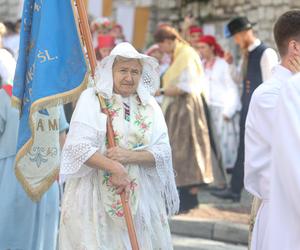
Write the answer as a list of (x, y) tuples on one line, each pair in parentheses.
[(164, 169), (83, 216), (81, 143)]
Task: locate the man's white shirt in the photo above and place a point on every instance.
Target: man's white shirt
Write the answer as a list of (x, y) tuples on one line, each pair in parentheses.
[(268, 60), (283, 227), (258, 140)]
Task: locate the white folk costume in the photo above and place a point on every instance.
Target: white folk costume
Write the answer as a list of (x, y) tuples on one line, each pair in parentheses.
[(7, 66), (260, 121), (92, 217), (193, 157), (223, 98), (283, 228), (186, 120)]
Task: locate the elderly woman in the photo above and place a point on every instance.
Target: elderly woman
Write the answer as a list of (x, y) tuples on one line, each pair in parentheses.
[(92, 215)]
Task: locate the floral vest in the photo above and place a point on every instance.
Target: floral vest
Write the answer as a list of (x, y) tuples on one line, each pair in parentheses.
[(132, 130)]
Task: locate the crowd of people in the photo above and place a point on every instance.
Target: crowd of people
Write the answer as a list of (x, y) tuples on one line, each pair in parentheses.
[(182, 121)]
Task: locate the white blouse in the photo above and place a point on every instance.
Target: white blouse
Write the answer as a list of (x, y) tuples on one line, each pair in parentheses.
[(7, 66), (268, 61), (86, 215), (221, 90), (259, 125)]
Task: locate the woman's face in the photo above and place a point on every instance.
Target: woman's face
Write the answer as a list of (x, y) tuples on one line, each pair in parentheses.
[(204, 50), (116, 32), (167, 46), (126, 76), (157, 54), (104, 51), (194, 38)]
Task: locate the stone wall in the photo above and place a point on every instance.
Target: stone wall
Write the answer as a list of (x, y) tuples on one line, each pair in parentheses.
[(10, 10), (214, 14)]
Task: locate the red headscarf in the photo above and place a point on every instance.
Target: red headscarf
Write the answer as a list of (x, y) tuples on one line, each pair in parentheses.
[(195, 29), (211, 41), (106, 41), (8, 89)]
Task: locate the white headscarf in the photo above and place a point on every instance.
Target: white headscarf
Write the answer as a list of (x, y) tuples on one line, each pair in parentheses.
[(149, 81)]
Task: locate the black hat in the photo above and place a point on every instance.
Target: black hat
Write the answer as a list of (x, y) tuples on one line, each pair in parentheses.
[(237, 25)]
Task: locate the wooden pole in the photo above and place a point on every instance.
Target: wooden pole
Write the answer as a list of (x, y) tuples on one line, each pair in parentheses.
[(86, 34), (87, 37)]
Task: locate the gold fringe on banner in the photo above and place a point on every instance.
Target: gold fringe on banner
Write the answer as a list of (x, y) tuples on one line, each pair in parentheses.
[(36, 193)]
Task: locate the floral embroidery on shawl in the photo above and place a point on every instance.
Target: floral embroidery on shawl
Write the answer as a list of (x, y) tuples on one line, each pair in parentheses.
[(113, 109), (130, 134), (140, 121)]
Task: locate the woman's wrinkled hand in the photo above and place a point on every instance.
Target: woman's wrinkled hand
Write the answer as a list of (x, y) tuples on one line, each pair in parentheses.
[(120, 179), (118, 154)]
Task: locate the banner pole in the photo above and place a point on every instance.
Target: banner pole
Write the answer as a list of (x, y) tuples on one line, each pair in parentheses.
[(87, 37)]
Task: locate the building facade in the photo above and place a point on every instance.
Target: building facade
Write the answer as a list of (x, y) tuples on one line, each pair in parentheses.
[(211, 14), (10, 10), (214, 14)]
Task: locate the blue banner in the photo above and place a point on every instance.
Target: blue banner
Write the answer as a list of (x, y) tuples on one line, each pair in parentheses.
[(51, 70)]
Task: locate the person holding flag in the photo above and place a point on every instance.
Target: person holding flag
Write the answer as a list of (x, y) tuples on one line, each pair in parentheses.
[(92, 215), (51, 70)]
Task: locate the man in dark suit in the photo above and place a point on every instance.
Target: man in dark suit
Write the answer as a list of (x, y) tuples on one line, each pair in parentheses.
[(258, 60)]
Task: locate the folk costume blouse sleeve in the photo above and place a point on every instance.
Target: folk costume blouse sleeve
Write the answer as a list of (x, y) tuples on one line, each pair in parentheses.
[(190, 81), (86, 136)]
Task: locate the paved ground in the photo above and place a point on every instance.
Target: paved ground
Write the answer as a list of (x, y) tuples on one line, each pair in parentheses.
[(205, 197), (215, 225), (211, 207), (225, 212), (215, 230), (186, 243)]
